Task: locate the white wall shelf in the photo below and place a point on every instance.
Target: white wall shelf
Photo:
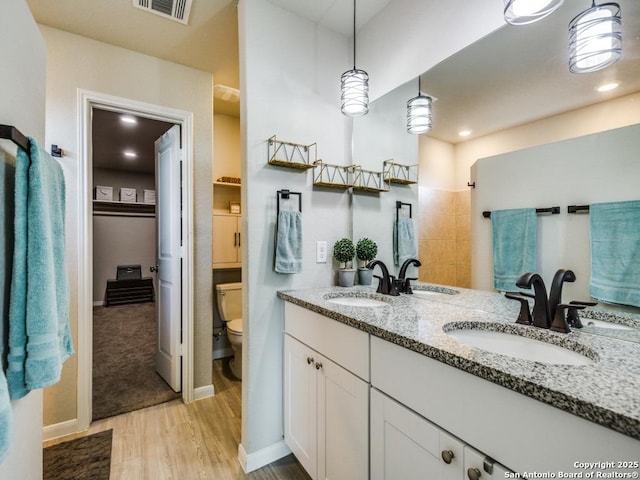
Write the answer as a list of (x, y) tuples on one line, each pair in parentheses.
[(103, 207)]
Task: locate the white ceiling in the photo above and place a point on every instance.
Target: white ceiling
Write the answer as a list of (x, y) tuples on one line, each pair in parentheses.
[(513, 76), (519, 74)]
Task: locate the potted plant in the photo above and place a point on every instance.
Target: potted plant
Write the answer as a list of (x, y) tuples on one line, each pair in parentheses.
[(343, 252), (366, 250)]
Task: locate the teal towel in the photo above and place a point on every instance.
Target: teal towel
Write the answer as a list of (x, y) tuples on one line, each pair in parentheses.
[(6, 418), (615, 252), (289, 242), (515, 235), (39, 335), (404, 240)]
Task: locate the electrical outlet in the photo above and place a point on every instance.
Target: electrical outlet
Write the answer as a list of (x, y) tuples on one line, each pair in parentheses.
[(321, 251)]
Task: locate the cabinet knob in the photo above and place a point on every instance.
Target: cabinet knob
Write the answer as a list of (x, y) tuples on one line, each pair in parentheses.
[(447, 456), (474, 474), (318, 365), (309, 360)]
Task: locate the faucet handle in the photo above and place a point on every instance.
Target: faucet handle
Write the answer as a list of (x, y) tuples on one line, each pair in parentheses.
[(524, 317), (559, 323), (573, 319)]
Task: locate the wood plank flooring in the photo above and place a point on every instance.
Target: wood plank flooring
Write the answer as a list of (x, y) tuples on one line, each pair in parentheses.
[(199, 441)]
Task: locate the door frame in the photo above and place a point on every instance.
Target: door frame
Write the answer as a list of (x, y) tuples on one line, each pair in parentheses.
[(87, 100)]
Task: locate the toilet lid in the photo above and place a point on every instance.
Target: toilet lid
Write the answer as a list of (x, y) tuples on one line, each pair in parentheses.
[(235, 325)]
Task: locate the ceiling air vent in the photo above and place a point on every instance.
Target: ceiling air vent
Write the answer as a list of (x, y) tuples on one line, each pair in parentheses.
[(177, 10)]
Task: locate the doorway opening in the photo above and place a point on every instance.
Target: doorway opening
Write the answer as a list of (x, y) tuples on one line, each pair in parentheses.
[(125, 328), (173, 187)]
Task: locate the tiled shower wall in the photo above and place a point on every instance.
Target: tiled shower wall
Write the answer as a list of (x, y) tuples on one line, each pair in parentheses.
[(445, 237)]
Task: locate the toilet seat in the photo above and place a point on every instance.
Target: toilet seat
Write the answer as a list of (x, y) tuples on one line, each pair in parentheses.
[(235, 326)]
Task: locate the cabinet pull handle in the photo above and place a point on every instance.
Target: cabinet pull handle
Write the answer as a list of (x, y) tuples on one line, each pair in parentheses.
[(447, 456), (318, 365), (235, 239), (309, 360), (238, 238), (474, 474)]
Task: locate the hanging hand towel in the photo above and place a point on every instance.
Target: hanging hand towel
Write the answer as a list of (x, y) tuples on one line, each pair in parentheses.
[(404, 240), (615, 252), (289, 242), (515, 235), (6, 417), (39, 335)]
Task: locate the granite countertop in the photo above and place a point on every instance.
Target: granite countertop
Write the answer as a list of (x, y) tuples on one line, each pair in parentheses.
[(606, 392)]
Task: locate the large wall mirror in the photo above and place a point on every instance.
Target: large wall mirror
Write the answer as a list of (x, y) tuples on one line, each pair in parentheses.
[(513, 91)]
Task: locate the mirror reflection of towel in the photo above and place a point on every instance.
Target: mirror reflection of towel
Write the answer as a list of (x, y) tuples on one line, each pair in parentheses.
[(515, 235), (404, 240), (615, 252), (289, 242)]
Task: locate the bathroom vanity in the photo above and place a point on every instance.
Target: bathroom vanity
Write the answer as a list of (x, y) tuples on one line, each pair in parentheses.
[(379, 387)]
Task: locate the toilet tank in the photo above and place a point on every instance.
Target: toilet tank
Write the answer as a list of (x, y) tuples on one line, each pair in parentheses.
[(229, 297)]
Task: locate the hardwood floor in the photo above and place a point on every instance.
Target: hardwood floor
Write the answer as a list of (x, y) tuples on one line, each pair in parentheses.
[(199, 441)]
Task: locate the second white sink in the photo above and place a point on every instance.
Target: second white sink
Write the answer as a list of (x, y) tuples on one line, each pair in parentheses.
[(517, 346)]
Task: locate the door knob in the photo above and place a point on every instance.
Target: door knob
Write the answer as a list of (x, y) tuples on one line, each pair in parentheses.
[(309, 360), (153, 268), (318, 365)]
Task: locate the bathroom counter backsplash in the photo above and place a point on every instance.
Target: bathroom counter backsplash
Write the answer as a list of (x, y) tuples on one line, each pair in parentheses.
[(607, 392)]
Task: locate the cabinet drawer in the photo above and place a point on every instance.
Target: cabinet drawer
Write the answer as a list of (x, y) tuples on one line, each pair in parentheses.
[(346, 346)]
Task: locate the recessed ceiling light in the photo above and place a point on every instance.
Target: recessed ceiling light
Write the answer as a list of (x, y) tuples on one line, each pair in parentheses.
[(130, 154), (608, 86), (128, 119), (464, 133)]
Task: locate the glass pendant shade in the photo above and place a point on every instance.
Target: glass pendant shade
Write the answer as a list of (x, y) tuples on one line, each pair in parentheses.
[(595, 38), (419, 118), (355, 93), (522, 12)]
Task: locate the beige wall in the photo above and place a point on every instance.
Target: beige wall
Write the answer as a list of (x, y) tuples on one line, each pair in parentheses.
[(74, 63), (226, 148)]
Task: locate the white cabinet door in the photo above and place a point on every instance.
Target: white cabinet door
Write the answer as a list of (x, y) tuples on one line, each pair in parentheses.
[(300, 403), (406, 446), (226, 241), (343, 423)]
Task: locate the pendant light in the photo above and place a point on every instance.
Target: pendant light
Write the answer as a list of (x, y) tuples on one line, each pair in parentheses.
[(595, 38), (355, 84), (419, 118), (522, 12)]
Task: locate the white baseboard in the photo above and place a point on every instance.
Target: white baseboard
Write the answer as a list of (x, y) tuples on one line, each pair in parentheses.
[(253, 461), (203, 392), (98, 303), (62, 429)]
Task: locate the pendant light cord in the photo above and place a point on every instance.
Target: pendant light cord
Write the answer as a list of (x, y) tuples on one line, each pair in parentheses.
[(354, 34)]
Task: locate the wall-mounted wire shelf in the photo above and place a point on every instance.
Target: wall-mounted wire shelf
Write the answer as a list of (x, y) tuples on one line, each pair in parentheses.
[(399, 173), (291, 155), (333, 176), (368, 180)]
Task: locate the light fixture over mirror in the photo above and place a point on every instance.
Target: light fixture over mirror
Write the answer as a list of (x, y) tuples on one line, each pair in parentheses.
[(595, 38), (419, 115), (355, 84), (523, 12)]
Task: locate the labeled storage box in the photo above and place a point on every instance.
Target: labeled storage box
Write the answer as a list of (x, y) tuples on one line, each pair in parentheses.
[(104, 193), (150, 196), (128, 195)]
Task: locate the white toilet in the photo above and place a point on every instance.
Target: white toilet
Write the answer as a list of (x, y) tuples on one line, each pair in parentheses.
[(229, 297)]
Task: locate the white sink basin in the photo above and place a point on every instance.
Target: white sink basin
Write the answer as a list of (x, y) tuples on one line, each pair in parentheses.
[(517, 346), (591, 322), (354, 301)]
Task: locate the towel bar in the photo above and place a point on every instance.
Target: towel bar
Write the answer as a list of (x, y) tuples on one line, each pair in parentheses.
[(285, 194), (552, 210), (399, 205), (12, 133), (578, 209)]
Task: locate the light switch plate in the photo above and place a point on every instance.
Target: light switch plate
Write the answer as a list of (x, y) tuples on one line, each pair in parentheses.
[(321, 251)]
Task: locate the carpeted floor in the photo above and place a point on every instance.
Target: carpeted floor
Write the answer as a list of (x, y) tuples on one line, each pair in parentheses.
[(124, 375), (85, 458)]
